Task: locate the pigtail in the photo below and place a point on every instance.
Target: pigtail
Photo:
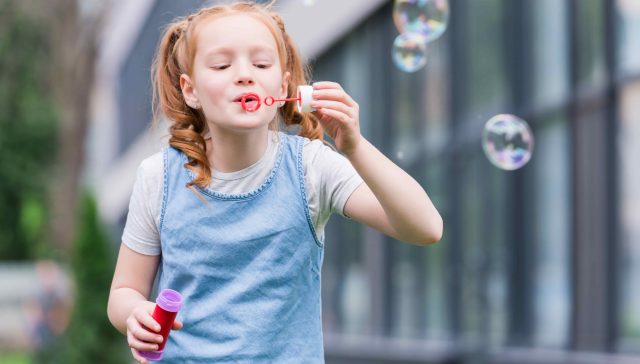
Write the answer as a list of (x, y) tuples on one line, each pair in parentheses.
[(187, 124), (310, 126)]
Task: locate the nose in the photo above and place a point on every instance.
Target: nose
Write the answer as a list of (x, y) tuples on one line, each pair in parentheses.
[(244, 76)]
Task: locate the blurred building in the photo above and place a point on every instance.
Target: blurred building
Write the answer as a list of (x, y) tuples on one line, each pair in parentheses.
[(537, 265)]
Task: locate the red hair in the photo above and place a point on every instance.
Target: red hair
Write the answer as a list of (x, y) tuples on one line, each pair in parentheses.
[(175, 57)]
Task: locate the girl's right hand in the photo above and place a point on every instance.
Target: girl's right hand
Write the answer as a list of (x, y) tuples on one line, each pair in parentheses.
[(142, 330)]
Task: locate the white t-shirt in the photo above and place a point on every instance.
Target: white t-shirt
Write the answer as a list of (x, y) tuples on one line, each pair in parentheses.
[(329, 181)]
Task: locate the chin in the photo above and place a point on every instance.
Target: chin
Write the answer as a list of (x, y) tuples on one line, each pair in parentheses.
[(253, 120), (247, 124)]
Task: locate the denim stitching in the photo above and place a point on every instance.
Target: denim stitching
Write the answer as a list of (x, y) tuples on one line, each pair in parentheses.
[(236, 197), (165, 153), (300, 170)]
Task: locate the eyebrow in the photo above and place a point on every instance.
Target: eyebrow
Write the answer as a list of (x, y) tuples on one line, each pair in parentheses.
[(230, 50)]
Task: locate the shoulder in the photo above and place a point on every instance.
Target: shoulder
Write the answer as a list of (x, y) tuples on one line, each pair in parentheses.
[(316, 154), (314, 150), (151, 168), (318, 150)]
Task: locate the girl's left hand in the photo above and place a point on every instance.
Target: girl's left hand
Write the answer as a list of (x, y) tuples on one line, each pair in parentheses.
[(338, 114)]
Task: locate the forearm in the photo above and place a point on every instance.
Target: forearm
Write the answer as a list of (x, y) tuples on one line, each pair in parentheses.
[(406, 204), (121, 303)]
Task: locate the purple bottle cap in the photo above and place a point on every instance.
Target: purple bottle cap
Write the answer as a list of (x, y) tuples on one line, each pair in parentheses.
[(169, 300), (151, 355)]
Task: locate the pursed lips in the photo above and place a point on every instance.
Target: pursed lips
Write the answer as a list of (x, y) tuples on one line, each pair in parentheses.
[(249, 98)]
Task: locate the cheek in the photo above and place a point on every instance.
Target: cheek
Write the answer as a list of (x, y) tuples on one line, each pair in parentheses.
[(210, 86), (213, 91), (275, 80)]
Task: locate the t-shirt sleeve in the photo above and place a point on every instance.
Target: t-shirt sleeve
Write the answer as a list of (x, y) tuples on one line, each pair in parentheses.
[(334, 177), (141, 229)]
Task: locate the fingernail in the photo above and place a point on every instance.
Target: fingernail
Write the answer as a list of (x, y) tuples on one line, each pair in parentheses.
[(157, 327)]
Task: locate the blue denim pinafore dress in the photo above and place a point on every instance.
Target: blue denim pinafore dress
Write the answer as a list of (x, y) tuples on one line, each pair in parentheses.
[(248, 267)]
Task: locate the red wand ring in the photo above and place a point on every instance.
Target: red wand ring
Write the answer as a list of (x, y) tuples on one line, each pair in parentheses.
[(252, 96)]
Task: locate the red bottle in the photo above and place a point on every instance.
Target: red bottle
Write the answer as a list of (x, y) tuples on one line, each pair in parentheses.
[(168, 304)]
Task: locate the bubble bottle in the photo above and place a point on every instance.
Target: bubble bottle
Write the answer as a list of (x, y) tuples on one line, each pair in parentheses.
[(168, 304)]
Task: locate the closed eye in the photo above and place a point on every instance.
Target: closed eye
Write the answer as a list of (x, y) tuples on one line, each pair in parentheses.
[(221, 67), (263, 65)]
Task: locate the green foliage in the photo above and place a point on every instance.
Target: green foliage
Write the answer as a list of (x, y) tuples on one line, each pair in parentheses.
[(90, 337), (27, 134), (14, 358)]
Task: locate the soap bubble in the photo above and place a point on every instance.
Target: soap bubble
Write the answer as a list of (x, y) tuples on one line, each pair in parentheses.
[(409, 52), (427, 17), (507, 141), (308, 2)]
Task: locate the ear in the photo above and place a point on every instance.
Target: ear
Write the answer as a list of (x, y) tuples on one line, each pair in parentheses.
[(188, 91), (284, 90)]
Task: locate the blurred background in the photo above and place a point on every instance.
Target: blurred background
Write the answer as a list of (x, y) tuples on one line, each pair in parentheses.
[(537, 264)]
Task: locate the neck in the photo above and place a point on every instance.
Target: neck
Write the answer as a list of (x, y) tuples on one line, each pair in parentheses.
[(230, 152)]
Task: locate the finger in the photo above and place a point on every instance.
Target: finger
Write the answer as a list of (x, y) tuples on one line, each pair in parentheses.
[(145, 318), (142, 334), (333, 105), (137, 357), (335, 95), (138, 344), (335, 115), (321, 85), (177, 325)]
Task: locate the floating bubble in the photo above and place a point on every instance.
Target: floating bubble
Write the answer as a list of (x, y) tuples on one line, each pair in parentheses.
[(507, 141), (427, 17), (308, 2), (409, 52)]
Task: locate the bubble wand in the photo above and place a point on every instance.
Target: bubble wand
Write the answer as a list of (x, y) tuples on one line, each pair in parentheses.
[(303, 99)]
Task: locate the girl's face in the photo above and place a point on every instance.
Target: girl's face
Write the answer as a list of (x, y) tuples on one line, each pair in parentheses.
[(236, 54)]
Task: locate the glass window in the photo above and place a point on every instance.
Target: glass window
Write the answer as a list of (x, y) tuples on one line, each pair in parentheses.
[(629, 175), (355, 78), (471, 259), (346, 307), (436, 97), (419, 287), (590, 57), (550, 79), (421, 134), (550, 230), (487, 81), (437, 270), (485, 224), (406, 284), (419, 108), (498, 208), (408, 118), (628, 23)]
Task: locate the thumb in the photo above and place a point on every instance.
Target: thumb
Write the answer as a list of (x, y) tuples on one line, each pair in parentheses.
[(177, 325)]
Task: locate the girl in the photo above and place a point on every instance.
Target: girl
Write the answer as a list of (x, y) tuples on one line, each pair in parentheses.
[(233, 212)]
